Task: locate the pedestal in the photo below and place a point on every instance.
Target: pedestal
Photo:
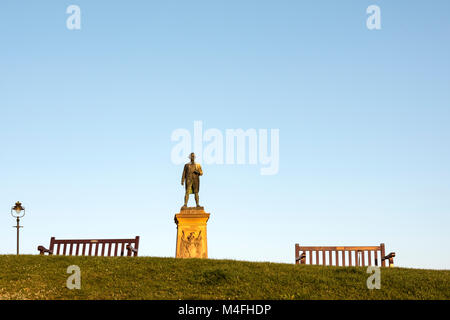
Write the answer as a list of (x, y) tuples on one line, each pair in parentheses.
[(191, 233)]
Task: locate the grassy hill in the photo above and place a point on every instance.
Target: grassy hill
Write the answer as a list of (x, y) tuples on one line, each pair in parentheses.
[(44, 277)]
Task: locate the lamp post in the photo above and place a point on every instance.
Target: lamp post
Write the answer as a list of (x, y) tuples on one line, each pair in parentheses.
[(18, 212)]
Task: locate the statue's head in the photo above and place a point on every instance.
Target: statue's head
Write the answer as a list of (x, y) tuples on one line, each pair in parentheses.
[(192, 157)]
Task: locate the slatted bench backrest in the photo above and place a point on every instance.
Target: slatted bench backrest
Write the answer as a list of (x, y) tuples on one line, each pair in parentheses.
[(94, 247), (341, 256)]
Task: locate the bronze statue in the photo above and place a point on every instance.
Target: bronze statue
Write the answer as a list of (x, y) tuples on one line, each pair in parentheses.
[(191, 173)]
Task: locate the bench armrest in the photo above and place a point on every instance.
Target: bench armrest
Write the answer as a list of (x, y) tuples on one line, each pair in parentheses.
[(390, 258), (302, 258), (43, 250), (131, 250)]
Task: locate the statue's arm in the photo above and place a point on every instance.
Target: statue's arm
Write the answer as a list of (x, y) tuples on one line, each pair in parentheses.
[(183, 175), (200, 171)]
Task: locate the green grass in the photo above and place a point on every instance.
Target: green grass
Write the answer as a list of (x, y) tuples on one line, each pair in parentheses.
[(44, 277)]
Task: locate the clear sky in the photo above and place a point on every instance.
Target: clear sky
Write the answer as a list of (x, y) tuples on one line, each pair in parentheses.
[(87, 117)]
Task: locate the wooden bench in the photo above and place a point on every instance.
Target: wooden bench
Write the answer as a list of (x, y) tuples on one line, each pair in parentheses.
[(92, 247), (342, 256)]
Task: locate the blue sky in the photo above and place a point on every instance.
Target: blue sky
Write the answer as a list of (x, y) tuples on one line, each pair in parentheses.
[(87, 117)]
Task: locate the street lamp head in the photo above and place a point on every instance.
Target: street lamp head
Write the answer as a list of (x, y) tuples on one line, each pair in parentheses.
[(18, 211)]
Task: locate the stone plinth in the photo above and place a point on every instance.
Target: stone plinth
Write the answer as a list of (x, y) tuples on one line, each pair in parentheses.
[(191, 233)]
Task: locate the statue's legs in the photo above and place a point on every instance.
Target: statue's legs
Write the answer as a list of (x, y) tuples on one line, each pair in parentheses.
[(189, 188), (186, 198), (188, 191), (196, 200)]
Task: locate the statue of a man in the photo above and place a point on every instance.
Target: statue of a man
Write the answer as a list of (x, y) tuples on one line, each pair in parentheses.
[(191, 173)]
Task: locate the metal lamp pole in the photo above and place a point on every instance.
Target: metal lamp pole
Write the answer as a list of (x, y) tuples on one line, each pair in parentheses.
[(18, 212)]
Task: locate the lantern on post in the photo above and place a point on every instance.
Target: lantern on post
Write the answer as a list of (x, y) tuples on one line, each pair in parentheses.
[(18, 212)]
